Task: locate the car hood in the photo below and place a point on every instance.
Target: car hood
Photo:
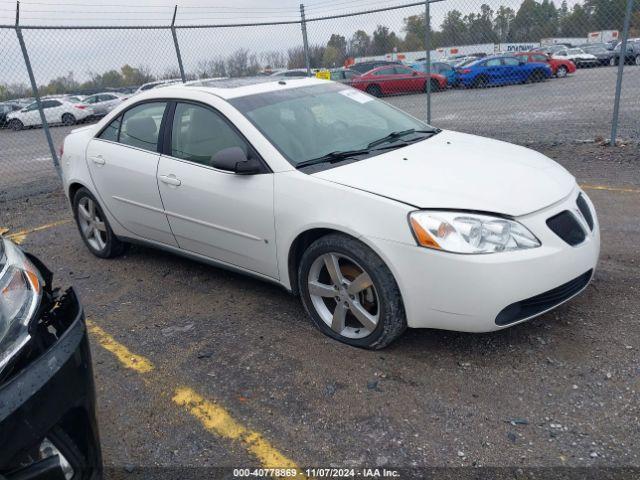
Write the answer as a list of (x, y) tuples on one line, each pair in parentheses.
[(454, 170)]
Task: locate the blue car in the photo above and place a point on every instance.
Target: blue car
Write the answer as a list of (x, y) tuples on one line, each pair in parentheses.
[(438, 67), (501, 70)]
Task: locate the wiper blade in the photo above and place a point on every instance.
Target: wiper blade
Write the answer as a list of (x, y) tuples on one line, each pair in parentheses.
[(333, 157), (393, 136), (338, 156)]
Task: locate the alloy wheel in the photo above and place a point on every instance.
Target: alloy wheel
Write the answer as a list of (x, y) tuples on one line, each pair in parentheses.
[(344, 295), (92, 224), (562, 72)]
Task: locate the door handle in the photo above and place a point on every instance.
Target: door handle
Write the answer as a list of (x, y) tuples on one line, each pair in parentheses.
[(98, 160), (170, 180)]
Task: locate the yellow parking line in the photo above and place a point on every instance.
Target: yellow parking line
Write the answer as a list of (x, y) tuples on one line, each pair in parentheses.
[(216, 419), (212, 416), (122, 353), (610, 189), (20, 236)]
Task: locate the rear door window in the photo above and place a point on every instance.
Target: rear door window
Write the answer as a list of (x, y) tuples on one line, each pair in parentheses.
[(112, 131), (141, 126)]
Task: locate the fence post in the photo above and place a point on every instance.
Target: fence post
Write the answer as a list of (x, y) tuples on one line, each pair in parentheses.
[(305, 41), (176, 45), (621, 62), (36, 94), (427, 46)]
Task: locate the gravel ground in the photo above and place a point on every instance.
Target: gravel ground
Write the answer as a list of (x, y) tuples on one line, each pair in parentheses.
[(558, 391)]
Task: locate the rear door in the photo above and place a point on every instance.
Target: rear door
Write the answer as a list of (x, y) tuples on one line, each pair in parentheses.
[(216, 213), (123, 162), (52, 111), (513, 71), (411, 80)]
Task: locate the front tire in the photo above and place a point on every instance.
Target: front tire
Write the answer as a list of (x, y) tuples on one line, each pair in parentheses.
[(374, 90), (16, 125), (94, 227), (638, 60), (561, 72), (349, 292)]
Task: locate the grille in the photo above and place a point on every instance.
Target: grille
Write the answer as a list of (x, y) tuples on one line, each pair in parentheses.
[(540, 303), (567, 227), (583, 206)]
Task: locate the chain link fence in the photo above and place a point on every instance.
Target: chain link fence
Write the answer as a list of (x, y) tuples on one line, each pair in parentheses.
[(500, 68)]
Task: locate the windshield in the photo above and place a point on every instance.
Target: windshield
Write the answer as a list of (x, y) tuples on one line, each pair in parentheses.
[(311, 122)]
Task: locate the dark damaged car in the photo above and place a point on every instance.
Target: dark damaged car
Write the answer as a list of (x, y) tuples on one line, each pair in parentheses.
[(47, 400)]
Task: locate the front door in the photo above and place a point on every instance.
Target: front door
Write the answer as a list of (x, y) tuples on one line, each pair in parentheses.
[(215, 213), (123, 162)]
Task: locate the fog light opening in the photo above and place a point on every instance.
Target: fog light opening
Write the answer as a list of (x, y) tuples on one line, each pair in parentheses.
[(48, 449)]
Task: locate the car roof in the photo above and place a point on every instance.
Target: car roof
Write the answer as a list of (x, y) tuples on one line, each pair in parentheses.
[(229, 88)]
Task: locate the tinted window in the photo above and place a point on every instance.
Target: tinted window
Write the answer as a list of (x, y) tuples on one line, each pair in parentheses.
[(50, 104), (511, 61), (141, 124), (403, 71), (539, 58), (199, 133), (443, 67), (385, 71), (349, 74), (494, 62), (337, 75), (93, 99), (112, 130)]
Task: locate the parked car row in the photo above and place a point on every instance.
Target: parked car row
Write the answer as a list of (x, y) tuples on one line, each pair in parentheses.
[(380, 78), (68, 109)]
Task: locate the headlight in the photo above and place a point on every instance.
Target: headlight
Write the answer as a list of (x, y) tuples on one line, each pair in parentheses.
[(461, 232), (20, 292)]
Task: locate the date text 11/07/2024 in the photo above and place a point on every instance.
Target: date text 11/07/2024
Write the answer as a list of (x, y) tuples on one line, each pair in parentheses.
[(316, 472)]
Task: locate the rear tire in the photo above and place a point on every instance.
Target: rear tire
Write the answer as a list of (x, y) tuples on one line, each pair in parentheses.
[(68, 120), (349, 292), (16, 125), (435, 85), (94, 227), (562, 71), (638, 60), (374, 90)]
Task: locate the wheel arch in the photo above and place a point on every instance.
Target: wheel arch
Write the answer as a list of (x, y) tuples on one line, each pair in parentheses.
[(74, 186), (305, 238)]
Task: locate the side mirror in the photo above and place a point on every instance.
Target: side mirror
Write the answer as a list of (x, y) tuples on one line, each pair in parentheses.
[(234, 160)]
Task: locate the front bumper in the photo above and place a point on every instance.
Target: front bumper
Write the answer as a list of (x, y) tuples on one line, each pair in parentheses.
[(467, 292), (50, 401)]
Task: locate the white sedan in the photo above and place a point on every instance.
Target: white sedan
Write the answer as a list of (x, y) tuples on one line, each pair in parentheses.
[(578, 56), (56, 110), (377, 220)]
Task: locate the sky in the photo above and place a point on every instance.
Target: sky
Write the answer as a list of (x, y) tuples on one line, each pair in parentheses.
[(57, 52)]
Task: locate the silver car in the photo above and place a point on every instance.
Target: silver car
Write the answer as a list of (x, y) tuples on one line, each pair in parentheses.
[(103, 103)]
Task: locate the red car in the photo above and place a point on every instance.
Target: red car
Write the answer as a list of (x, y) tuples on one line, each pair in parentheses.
[(559, 67), (394, 79)]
